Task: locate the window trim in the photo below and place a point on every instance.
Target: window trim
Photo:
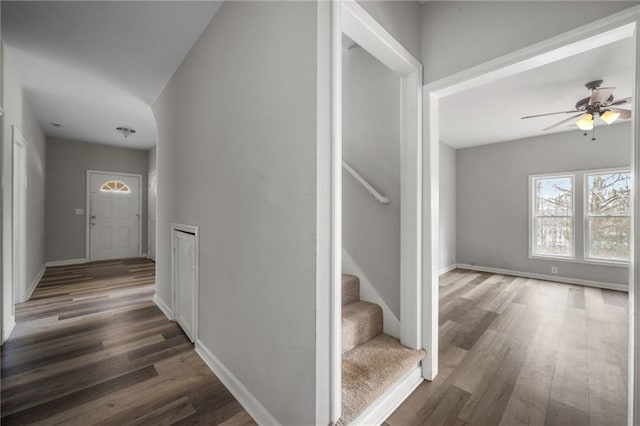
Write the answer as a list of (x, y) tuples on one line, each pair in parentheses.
[(585, 221), (533, 216)]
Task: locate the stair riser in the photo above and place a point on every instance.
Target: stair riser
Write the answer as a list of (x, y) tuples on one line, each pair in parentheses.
[(350, 289), (360, 326)]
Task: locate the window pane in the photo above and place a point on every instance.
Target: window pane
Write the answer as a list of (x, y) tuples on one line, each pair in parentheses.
[(609, 238), (553, 196), (609, 193), (553, 236)]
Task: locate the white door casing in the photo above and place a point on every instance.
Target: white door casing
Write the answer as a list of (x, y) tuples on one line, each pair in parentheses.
[(184, 281), (152, 199), (113, 217), (19, 216), (334, 20), (599, 33)]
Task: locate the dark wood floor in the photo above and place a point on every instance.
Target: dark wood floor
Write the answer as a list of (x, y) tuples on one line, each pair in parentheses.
[(90, 347), (516, 351)]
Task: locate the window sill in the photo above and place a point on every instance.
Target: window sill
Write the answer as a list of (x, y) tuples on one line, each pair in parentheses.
[(615, 263), (581, 261)]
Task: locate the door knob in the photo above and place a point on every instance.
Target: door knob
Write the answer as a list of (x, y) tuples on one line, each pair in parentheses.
[(93, 223)]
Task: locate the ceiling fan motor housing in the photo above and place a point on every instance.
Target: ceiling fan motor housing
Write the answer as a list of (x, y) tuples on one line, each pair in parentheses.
[(593, 84)]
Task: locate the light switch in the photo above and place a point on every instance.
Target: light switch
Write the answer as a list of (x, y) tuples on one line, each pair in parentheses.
[(79, 212)]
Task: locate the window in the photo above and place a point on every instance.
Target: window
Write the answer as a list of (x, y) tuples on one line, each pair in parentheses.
[(115, 186), (581, 216), (552, 216), (608, 215)]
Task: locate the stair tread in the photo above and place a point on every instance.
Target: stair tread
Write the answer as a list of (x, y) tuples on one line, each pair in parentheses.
[(361, 321), (370, 369), (350, 289)]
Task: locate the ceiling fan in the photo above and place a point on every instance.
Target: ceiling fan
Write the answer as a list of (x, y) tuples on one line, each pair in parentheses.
[(601, 104)]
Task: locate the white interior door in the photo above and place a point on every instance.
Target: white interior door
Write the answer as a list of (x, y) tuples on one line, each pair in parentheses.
[(184, 272), (152, 197), (19, 217), (114, 216)]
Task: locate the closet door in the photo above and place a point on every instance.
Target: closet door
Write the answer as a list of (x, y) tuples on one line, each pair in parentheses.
[(184, 275)]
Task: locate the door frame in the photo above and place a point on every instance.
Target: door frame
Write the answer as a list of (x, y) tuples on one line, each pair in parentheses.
[(599, 33), (192, 229), (87, 211), (19, 260), (334, 19), (155, 174)]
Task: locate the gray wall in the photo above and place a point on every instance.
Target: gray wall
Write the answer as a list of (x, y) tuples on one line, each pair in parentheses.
[(151, 160), (492, 194), (237, 157), (371, 145), (66, 189), (457, 35), (447, 206), (18, 113), (400, 18)]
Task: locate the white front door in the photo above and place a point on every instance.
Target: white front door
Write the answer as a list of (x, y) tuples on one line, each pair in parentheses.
[(114, 216), (184, 270), (152, 197)]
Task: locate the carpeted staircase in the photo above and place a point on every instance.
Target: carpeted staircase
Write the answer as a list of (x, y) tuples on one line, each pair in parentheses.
[(371, 361)]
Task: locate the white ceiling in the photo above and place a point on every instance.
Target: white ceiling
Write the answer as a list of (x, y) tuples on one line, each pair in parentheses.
[(93, 66), (491, 113)]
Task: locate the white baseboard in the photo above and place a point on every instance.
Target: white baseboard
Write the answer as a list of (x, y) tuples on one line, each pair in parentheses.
[(67, 262), (8, 328), (35, 282), (163, 307), (448, 268), (554, 278), (368, 293), (382, 408), (237, 389)]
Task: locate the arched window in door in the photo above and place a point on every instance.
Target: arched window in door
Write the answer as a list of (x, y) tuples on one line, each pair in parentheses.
[(115, 186)]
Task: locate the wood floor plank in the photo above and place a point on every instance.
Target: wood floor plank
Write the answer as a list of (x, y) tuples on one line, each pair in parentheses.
[(570, 385)]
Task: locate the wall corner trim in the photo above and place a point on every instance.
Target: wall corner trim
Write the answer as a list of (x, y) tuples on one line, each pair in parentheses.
[(553, 278), (248, 401), (35, 282), (8, 329), (448, 268), (163, 307), (66, 262)]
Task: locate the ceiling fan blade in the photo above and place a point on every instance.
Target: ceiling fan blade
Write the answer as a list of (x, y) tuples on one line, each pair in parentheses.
[(548, 113), (624, 113), (568, 120), (620, 101), (601, 95)]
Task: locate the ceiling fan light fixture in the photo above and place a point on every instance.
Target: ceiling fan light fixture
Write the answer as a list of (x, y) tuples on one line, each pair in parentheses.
[(609, 116), (125, 131), (585, 122)]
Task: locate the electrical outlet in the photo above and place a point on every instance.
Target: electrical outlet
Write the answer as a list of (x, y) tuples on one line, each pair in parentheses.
[(554, 269), (79, 212)]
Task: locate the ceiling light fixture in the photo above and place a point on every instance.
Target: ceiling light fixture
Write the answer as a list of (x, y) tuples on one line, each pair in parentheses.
[(125, 131), (609, 116), (585, 122)]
